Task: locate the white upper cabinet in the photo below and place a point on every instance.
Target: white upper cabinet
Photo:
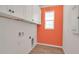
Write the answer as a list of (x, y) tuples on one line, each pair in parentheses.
[(29, 13), (4, 10), (36, 14), (32, 13), (12, 11), (16, 10)]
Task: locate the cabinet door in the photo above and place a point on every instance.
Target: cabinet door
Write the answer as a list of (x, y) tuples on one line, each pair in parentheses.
[(28, 44), (36, 14), (31, 42), (75, 16), (28, 13), (22, 45), (17, 10), (4, 10), (25, 44)]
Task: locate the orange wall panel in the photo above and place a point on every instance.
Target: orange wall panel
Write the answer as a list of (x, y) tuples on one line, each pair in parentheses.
[(52, 37)]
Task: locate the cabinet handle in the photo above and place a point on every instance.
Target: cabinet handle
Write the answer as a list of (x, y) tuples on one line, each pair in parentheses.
[(12, 11), (78, 17), (9, 10), (29, 37)]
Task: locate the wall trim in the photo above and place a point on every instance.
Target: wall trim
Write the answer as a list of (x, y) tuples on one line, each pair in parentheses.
[(49, 45)]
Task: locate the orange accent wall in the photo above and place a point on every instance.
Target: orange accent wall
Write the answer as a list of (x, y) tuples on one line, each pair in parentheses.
[(52, 37)]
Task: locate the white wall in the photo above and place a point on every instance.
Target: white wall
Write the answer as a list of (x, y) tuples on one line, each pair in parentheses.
[(70, 40), (9, 30)]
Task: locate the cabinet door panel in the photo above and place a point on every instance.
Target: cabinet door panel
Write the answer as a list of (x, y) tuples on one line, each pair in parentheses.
[(17, 10), (4, 10), (22, 45), (37, 14), (28, 13)]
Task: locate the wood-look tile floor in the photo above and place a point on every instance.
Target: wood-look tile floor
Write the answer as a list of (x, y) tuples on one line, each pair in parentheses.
[(41, 49)]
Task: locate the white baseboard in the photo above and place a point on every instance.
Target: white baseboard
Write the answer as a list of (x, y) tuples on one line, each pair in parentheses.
[(49, 45)]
